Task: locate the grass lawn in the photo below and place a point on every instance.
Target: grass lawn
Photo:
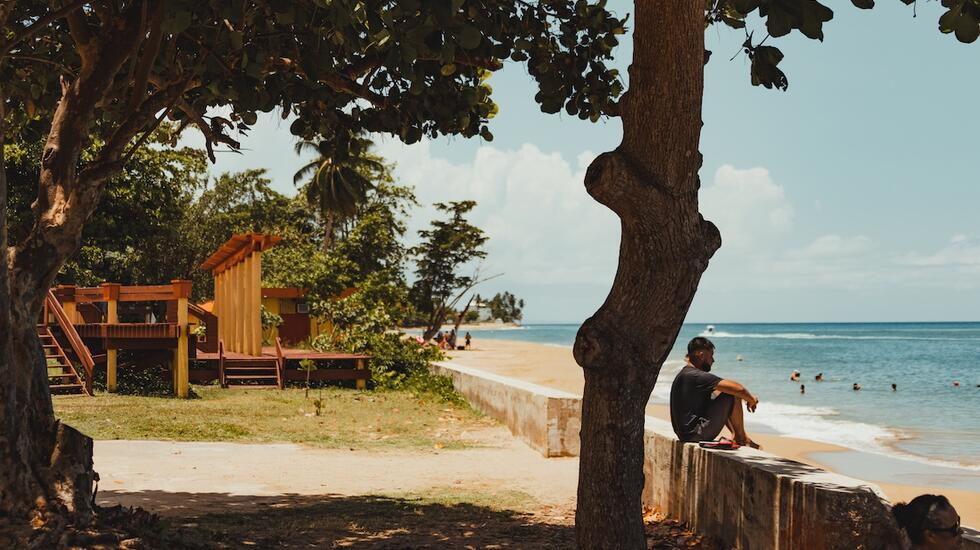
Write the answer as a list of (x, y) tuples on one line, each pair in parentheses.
[(348, 418)]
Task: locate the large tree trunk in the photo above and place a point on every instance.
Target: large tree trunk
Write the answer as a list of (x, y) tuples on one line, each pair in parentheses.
[(651, 182), (46, 471), (45, 467)]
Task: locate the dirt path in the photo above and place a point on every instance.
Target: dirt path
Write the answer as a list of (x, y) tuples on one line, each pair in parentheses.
[(134, 468), (501, 494)]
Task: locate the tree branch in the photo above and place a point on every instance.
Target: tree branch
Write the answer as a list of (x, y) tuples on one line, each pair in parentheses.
[(63, 68), (211, 136), (341, 84), (84, 41), (36, 26), (148, 57)]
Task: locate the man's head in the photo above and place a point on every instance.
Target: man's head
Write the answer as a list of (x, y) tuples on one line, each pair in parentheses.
[(930, 521), (701, 353)]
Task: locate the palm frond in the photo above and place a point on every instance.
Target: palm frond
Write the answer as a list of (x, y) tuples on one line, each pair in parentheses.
[(303, 173)]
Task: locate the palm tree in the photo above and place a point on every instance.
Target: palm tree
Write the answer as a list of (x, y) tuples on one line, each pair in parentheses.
[(337, 180)]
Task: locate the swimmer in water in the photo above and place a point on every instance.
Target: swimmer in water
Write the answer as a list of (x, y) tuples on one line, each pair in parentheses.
[(802, 388), (795, 377), (819, 377), (857, 387)]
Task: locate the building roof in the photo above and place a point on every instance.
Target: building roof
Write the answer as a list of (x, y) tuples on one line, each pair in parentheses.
[(236, 249)]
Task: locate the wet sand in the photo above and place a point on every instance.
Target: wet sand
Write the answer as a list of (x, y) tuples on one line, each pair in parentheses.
[(553, 366)]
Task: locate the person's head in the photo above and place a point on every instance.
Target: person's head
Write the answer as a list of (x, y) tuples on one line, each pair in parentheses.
[(930, 521), (701, 353), (894, 387)]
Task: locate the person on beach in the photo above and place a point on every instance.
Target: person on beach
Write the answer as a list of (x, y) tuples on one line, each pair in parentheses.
[(468, 340), (701, 404), (930, 522)]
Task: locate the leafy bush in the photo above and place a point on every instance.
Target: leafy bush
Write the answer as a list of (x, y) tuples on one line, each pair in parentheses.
[(398, 362)]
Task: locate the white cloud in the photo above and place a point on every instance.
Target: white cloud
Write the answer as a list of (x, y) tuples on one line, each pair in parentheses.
[(746, 205), (833, 246), (542, 224), (960, 251)]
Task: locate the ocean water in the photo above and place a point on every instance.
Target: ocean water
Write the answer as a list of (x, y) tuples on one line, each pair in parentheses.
[(928, 419)]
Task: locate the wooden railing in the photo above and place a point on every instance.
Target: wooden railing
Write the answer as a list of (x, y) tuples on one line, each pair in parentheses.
[(280, 363), (74, 340), (221, 364)]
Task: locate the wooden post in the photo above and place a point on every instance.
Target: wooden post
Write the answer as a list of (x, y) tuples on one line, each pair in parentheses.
[(66, 293), (182, 291), (255, 296), (361, 383), (237, 274), (110, 294), (219, 302), (245, 268)]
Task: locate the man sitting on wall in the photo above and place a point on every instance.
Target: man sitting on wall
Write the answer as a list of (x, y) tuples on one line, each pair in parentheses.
[(701, 404)]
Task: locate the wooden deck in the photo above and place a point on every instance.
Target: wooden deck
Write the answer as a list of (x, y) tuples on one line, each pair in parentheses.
[(354, 370)]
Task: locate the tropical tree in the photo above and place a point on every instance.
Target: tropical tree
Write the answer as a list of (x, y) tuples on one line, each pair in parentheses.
[(445, 249), (337, 181), (506, 307)]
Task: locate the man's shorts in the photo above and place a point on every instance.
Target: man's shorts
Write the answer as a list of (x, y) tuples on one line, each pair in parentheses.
[(715, 416)]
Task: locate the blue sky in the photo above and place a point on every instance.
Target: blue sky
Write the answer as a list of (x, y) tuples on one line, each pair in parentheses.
[(850, 197)]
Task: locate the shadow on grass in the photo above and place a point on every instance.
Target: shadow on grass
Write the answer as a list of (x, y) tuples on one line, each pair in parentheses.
[(221, 520)]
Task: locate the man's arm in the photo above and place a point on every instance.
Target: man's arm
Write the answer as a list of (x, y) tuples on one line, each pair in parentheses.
[(732, 387)]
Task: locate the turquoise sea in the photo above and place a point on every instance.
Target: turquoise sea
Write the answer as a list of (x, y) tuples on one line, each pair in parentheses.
[(928, 419)]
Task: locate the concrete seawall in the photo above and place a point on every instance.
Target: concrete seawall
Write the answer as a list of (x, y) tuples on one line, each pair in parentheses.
[(749, 499), (546, 419)]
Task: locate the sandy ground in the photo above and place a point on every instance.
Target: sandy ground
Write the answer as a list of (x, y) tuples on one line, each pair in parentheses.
[(185, 479), (554, 366)]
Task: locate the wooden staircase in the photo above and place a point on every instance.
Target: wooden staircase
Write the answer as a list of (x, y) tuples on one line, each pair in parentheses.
[(62, 377), (252, 372)]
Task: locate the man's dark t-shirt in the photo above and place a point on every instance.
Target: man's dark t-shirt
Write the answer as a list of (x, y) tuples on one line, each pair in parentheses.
[(693, 413)]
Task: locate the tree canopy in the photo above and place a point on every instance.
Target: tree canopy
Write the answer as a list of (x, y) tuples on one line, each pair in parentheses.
[(408, 68)]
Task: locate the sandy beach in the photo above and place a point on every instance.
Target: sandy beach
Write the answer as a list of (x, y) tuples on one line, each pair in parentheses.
[(553, 366)]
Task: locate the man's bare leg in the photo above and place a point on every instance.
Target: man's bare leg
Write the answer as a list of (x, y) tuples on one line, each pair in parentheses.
[(736, 424)]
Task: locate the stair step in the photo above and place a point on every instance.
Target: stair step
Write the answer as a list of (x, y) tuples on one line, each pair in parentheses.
[(250, 363), (64, 386), (251, 377), (253, 386), (248, 369), (63, 375)]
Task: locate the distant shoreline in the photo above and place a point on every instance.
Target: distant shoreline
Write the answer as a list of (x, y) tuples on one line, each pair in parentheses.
[(487, 325)]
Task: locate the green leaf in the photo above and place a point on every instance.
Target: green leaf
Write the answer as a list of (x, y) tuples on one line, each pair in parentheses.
[(469, 37)]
